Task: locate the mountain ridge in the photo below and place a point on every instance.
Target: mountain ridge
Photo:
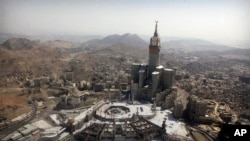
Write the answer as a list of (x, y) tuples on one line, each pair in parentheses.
[(19, 44), (190, 45), (130, 39)]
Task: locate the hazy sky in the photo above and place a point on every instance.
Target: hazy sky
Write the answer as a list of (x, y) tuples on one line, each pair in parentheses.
[(220, 20)]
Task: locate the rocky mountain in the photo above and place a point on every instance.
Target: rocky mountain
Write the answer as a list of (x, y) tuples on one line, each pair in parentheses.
[(58, 44), (233, 53), (18, 44), (191, 45), (25, 56), (129, 39), (50, 37), (242, 54), (139, 55), (41, 58), (238, 51), (123, 50), (21, 55), (62, 46)]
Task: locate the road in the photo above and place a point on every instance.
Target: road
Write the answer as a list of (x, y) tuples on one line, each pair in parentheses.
[(12, 127)]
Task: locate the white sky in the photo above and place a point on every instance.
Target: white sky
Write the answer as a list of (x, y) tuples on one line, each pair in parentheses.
[(219, 20)]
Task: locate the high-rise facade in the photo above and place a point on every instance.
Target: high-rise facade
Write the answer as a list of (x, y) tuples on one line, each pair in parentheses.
[(154, 51), (147, 80)]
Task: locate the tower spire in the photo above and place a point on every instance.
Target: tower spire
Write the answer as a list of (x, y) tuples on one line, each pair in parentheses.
[(156, 33)]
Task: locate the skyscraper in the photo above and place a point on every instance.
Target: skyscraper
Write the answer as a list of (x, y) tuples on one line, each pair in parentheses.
[(154, 51), (148, 80)]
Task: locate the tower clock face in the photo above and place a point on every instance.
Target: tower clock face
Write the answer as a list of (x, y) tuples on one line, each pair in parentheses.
[(154, 41)]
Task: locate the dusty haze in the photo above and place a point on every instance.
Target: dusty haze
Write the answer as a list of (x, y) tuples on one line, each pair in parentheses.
[(223, 21)]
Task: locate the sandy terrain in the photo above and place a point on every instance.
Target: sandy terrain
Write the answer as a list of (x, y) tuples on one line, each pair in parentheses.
[(12, 105)]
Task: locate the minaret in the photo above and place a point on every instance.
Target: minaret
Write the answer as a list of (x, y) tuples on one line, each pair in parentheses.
[(154, 51)]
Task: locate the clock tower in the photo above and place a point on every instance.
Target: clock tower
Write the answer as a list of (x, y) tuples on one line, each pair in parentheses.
[(154, 51)]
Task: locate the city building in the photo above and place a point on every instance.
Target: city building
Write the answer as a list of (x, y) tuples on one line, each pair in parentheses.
[(114, 95), (69, 75), (148, 80), (196, 107), (134, 130), (178, 108)]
